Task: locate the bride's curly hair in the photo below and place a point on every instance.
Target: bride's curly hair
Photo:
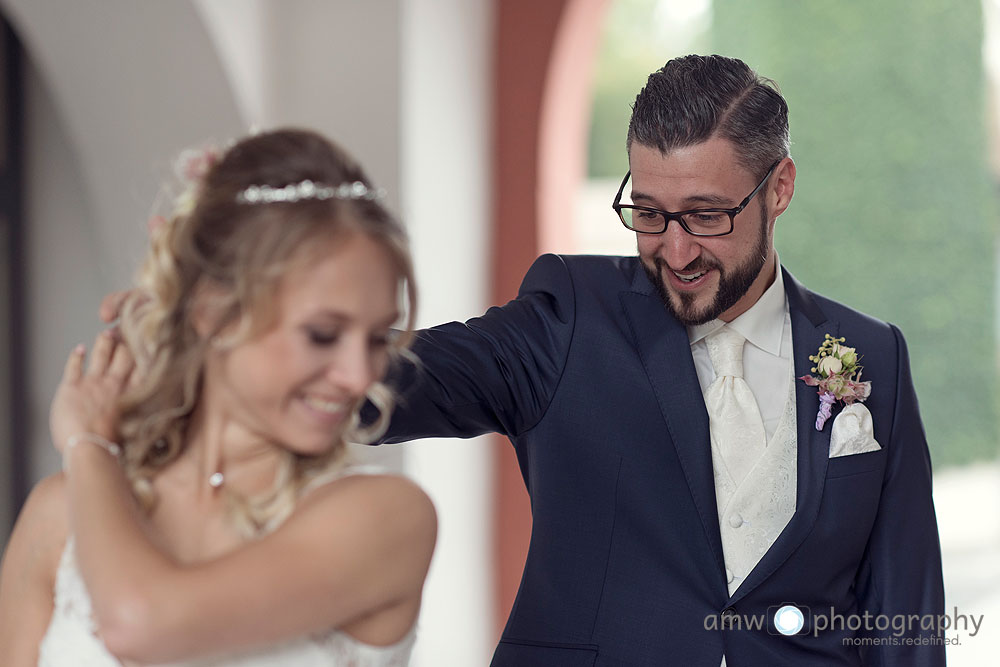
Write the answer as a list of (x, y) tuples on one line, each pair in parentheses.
[(241, 251)]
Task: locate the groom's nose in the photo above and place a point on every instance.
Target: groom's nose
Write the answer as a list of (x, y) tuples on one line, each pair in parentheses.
[(678, 247)]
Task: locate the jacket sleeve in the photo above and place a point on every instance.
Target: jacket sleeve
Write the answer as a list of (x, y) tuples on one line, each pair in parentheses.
[(497, 372), (900, 576)]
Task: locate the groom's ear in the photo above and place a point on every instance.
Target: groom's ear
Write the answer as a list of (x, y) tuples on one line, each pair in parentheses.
[(782, 186)]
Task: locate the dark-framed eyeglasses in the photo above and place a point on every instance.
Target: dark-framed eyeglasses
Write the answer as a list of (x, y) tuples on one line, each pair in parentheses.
[(697, 222)]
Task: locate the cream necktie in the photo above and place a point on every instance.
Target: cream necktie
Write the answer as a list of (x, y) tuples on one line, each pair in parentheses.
[(734, 420)]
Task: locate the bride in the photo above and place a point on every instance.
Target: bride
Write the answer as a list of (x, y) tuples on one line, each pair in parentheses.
[(205, 514)]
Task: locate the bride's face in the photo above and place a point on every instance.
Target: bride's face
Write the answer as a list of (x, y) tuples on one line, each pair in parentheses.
[(297, 383)]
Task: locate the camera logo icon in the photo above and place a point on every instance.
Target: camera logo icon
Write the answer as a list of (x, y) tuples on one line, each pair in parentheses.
[(788, 619)]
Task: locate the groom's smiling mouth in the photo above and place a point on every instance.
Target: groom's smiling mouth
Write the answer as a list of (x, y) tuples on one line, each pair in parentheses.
[(690, 277), (687, 280)]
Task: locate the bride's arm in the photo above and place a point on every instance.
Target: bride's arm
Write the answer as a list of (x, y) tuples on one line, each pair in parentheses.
[(27, 576), (357, 546), (353, 547)]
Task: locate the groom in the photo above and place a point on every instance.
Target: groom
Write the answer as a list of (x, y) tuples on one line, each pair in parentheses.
[(681, 491)]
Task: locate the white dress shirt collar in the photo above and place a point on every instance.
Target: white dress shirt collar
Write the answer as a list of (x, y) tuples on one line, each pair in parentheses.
[(761, 324)]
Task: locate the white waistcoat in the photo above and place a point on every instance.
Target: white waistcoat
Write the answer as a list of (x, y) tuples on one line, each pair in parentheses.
[(753, 513)]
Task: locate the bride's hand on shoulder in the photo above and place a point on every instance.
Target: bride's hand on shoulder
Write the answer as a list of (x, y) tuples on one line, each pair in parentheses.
[(87, 398)]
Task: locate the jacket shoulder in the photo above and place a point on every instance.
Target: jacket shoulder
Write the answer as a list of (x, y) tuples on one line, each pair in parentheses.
[(608, 271)]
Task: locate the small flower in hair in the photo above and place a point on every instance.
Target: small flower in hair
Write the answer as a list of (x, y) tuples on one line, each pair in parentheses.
[(155, 224), (191, 167), (194, 163)]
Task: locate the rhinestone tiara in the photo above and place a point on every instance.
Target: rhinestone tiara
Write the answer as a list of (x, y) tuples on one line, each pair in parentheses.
[(294, 192)]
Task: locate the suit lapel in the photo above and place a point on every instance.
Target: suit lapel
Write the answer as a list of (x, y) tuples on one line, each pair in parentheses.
[(809, 326), (665, 351)]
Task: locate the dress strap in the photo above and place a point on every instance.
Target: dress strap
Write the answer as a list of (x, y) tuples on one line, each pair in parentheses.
[(333, 475)]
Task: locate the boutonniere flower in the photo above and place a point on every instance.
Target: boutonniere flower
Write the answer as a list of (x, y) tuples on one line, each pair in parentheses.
[(838, 377)]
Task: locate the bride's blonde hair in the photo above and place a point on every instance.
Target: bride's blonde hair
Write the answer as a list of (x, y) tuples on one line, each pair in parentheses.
[(241, 250)]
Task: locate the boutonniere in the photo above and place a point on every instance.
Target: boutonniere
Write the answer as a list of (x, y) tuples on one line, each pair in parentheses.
[(838, 379)]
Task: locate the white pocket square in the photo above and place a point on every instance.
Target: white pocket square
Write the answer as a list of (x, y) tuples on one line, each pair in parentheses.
[(853, 432)]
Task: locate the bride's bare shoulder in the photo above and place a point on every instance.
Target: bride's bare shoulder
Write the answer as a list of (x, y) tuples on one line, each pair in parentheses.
[(43, 523), (390, 505), (372, 496)]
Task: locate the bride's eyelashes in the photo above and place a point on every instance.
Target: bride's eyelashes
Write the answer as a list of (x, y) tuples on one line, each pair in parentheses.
[(328, 338), (322, 337)]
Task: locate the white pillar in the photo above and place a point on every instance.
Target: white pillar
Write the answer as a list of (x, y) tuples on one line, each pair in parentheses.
[(446, 86)]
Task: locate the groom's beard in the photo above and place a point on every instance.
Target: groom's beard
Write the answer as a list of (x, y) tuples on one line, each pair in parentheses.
[(733, 284)]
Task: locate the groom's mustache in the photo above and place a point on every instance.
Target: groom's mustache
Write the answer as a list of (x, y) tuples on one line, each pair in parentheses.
[(696, 265)]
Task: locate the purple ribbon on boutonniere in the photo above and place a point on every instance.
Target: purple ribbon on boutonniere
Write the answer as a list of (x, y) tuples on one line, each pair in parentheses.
[(838, 379)]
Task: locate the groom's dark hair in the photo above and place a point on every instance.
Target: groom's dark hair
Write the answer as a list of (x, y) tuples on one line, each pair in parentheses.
[(693, 98)]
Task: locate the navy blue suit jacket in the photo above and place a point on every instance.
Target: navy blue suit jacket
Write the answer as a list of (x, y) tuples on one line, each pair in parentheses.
[(593, 382)]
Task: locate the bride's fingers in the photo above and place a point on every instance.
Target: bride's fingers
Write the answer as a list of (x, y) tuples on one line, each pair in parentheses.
[(100, 356), (122, 363), (74, 364), (134, 378), (111, 305)]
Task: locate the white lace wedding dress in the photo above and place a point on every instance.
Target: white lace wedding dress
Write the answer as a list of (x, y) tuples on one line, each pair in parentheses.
[(70, 640)]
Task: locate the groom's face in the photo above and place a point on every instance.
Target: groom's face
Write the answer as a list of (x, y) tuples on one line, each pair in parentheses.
[(702, 278)]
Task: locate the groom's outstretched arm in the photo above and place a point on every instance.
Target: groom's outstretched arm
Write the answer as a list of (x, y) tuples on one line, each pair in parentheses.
[(900, 577), (497, 372)]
